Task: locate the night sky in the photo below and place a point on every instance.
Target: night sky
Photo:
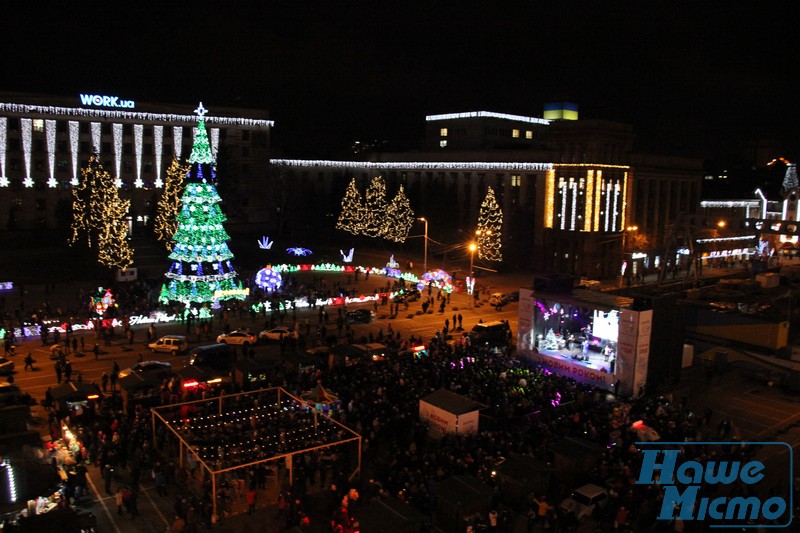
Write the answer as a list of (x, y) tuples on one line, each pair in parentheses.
[(693, 79)]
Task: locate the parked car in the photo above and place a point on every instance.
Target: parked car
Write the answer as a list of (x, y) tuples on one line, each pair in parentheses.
[(158, 368), (275, 334), (408, 295), (363, 316), (6, 366), (172, 344), (215, 358), (510, 297), (490, 333), (242, 337), (584, 500)]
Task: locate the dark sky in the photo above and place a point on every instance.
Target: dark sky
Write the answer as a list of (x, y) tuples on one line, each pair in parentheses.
[(699, 78)]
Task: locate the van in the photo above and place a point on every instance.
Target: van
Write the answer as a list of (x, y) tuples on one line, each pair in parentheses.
[(493, 333), (216, 357), (497, 298), (171, 344), (372, 351)]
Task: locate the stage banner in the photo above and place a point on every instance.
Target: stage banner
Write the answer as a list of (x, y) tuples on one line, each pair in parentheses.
[(525, 334)]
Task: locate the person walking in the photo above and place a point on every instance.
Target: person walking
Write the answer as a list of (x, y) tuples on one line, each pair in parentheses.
[(67, 371), (119, 496), (104, 381), (251, 500), (96, 351), (29, 361), (58, 371)]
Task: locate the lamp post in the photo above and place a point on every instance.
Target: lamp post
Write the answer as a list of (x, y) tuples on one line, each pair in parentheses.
[(425, 259), (472, 248)]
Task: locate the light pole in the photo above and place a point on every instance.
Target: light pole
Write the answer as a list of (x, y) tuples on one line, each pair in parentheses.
[(472, 248), (425, 259)]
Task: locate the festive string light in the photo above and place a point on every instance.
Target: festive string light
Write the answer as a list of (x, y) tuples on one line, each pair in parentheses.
[(375, 204), (96, 135), (50, 137), (352, 217), (169, 205), (3, 139), (214, 142), (399, 218), (268, 279), (117, 134), (488, 114), (177, 141), (26, 127), (410, 165), (138, 134), (74, 137), (158, 146)]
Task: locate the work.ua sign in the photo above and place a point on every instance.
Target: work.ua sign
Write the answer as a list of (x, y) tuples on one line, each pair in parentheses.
[(100, 100), (721, 484)]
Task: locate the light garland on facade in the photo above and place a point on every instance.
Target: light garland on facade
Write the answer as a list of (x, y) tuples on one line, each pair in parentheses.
[(130, 115), (26, 126), (616, 203), (624, 212), (588, 201), (117, 133), (733, 238), (574, 189), (411, 165), (158, 146), (52, 183), (608, 205), (487, 114), (562, 186), (138, 134), (549, 198), (50, 138), (598, 195), (74, 137), (177, 141), (214, 142), (96, 129)]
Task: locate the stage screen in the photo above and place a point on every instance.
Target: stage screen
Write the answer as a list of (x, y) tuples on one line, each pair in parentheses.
[(605, 325)]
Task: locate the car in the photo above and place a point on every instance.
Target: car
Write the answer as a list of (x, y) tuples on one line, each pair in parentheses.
[(497, 298), (158, 368), (363, 316), (490, 333), (242, 337), (407, 295), (510, 297), (172, 344), (276, 334), (584, 500), (6, 366)]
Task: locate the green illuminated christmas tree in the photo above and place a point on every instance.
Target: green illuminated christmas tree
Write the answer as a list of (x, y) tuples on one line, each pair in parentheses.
[(490, 222), (201, 259)]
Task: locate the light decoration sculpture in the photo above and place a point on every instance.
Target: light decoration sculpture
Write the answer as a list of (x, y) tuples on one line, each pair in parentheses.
[(437, 279), (268, 279), (201, 260), (101, 301), (3, 139), (398, 219), (353, 215), (158, 146), (347, 257), (265, 243), (298, 251), (490, 226), (169, 205), (74, 138), (50, 137), (375, 204), (26, 131)]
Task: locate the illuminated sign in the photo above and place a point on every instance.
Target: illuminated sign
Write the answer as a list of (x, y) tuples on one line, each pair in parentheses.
[(100, 100), (231, 293)]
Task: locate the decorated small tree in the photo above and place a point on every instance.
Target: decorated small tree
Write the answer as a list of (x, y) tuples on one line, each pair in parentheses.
[(399, 218), (98, 215), (549, 342), (490, 224), (166, 221), (375, 203), (201, 270), (352, 217)]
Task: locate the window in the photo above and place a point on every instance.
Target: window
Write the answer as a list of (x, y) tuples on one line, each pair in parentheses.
[(245, 135), (61, 147), (443, 143), (127, 166), (127, 148), (61, 126), (106, 147), (85, 148), (106, 128), (515, 133), (14, 164), (528, 134), (38, 146), (148, 131), (38, 124), (147, 167), (39, 165), (63, 165), (443, 132), (148, 149), (515, 180)]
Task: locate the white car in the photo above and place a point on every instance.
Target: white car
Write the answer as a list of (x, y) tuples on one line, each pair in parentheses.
[(585, 500), (244, 338), (497, 298), (6, 365), (275, 334), (147, 367)]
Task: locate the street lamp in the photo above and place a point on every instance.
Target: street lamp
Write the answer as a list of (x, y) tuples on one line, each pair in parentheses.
[(425, 260), (472, 248)]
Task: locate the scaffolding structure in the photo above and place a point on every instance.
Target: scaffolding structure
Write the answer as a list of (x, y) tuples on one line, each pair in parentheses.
[(239, 431)]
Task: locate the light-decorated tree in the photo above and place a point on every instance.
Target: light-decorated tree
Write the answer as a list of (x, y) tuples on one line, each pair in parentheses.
[(399, 218), (201, 259), (375, 204), (98, 215), (353, 212), (490, 223), (166, 221), (550, 341)]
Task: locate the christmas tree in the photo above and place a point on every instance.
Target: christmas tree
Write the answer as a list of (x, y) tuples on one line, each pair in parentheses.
[(98, 213), (490, 223), (375, 202), (352, 216), (166, 222), (201, 259), (550, 341), (399, 218)]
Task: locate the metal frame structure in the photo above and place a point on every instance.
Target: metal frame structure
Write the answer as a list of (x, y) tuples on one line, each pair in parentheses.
[(181, 426)]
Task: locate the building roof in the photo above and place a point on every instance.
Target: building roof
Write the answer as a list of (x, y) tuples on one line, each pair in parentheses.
[(452, 402)]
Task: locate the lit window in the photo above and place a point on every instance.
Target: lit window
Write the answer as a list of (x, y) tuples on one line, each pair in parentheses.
[(443, 132), (515, 180), (515, 133), (528, 134), (442, 143), (38, 124)]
